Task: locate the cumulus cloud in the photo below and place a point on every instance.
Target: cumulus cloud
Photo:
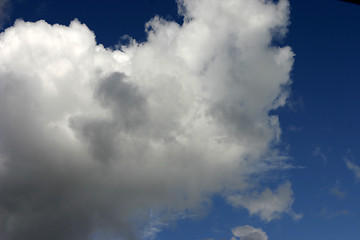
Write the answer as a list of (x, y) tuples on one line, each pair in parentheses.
[(92, 138), (268, 204), (249, 233)]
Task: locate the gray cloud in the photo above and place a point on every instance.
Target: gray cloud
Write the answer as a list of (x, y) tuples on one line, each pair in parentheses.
[(92, 139)]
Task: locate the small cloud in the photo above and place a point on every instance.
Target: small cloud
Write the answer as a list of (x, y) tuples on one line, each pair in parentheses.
[(248, 233), (269, 204), (336, 191)]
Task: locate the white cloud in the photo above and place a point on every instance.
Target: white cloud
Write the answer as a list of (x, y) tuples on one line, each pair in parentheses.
[(92, 138), (249, 233), (268, 205)]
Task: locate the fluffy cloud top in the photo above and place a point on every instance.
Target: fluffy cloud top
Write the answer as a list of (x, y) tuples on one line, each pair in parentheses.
[(92, 138)]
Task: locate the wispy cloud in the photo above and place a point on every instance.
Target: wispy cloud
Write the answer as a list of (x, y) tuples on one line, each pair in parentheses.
[(349, 160), (336, 191), (153, 227), (293, 128), (318, 153), (327, 214)]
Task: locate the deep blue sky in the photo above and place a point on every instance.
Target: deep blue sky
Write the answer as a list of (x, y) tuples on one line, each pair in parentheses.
[(321, 126)]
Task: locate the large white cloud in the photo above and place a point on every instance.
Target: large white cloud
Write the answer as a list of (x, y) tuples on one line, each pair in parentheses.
[(92, 138)]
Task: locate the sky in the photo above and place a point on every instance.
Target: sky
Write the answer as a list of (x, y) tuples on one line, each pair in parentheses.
[(165, 120)]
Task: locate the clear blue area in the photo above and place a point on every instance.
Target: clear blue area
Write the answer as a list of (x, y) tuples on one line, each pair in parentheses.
[(320, 125)]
